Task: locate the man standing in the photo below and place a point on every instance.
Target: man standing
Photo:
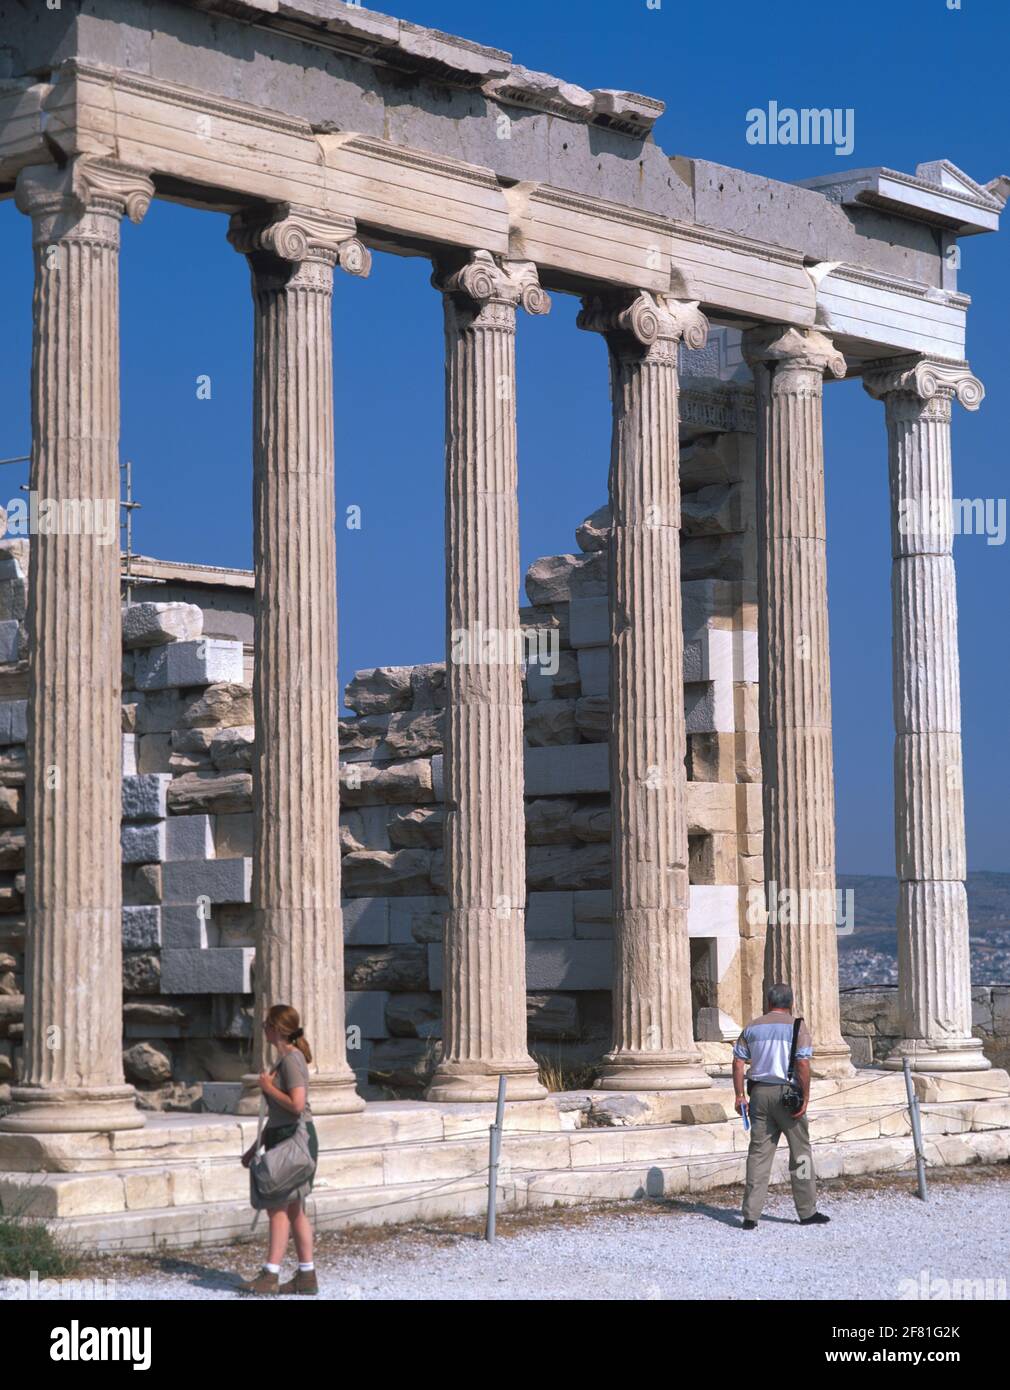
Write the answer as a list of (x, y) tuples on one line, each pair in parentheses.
[(766, 1044)]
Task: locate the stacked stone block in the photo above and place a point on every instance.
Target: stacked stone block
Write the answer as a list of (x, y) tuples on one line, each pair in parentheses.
[(187, 837)]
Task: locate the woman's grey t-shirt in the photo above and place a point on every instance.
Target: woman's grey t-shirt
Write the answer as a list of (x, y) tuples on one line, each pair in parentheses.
[(292, 1071)]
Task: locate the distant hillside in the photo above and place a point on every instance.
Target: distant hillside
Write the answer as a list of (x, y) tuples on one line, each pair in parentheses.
[(869, 954), (875, 900)]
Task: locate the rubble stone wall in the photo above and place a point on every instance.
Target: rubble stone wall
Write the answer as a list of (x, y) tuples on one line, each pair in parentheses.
[(187, 817)]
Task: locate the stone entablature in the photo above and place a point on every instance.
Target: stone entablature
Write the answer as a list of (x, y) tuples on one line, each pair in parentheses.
[(616, 210)]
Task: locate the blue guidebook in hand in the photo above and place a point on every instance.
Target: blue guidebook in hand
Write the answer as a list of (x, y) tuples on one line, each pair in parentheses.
[(745, 1115)]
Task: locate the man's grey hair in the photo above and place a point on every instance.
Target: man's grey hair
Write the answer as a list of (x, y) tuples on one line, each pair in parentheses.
[(780, 997)]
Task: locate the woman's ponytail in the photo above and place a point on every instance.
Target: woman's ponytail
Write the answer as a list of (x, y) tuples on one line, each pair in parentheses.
[(285, 1019)]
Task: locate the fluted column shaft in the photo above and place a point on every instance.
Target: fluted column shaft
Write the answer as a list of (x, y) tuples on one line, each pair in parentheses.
[(798, 792), (73, 1071), (934, 970), (653, 1042), (296, 805), (484, 973)]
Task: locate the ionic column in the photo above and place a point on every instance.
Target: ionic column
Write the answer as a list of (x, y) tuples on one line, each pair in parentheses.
[(296, 803), (934, 979), (653, 1043), (484, 986), (73, 1071), (798, 791)]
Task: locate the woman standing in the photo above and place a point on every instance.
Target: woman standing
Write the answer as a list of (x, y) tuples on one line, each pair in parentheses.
[(286, 1090)]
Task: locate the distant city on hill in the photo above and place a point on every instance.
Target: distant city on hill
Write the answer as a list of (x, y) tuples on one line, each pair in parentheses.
[(869, 955)]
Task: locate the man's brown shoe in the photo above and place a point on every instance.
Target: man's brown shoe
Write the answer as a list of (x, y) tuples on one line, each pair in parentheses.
[(304, 1281), (264, 1283)]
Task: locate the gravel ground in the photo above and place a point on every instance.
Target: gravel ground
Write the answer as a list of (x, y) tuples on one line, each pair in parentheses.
[(879, 1236)]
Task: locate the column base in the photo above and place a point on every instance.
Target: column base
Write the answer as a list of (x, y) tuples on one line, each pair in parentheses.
[(330, 1093), (476, 1082), (831, 1061), (71, 1110), (653, 1071), (931, 1057)]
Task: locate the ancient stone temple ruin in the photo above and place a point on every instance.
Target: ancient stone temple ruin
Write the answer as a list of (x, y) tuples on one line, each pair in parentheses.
[(547, 871)]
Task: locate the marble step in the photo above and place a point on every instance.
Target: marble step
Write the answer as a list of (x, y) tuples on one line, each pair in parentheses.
[(380, 1166), (209, 1223)]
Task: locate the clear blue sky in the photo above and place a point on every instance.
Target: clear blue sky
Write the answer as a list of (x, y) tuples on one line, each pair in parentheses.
[(925, 83)]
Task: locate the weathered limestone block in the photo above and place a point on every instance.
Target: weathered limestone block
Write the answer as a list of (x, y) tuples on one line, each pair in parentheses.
[(157, 711), (211, 793), (550, 619), (526, 87), (12, 767), (567, 771), (594, 533), (13, 721), (219, 970), (141, 928), (139, 844), (12, 806), (561, 867), (715, 557), (402, 969), (550, 916), (552, 1017), (549, 820), (594, 671), (362, 733), (417, 919), (151, 624), (365, 827), (380, 690), (10, 641), (13, 592), (377, 873), (558, 578), (404, 1063), (548, 722), (713, 859), (141, 884), (712, 511), (564, 684), (208, 661), (184, 926), (592, 823), (590, 622), (233, 924), (145, 797), (225, 705), (141, 973), (408, 783), (414, 1015), (189, 838), (365, 1011), (12, 848), (231, 749), (413, 734), (129, 720), (147, 1064), (233, 836), (427, 685), (420, 828), (216, 880), (592, 717), (153, 753)]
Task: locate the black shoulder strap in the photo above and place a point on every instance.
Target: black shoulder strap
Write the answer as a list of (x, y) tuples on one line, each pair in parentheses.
[(792, 1050)]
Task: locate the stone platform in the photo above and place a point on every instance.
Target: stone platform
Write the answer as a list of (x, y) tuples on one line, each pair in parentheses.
[(178, 1182)]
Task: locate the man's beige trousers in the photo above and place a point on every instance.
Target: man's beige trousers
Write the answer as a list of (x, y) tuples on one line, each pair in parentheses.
[(769, 1119)]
